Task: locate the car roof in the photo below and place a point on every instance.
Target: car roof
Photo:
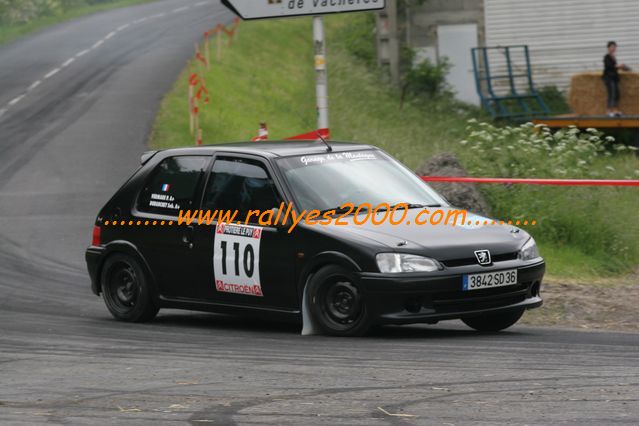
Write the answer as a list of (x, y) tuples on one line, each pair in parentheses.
[(272, 148)]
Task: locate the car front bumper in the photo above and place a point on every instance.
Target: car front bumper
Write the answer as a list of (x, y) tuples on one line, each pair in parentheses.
[(405, 299)]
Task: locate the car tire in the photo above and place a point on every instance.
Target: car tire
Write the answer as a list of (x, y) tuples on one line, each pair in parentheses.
[(494, 322), (336, 302), (126, 289)]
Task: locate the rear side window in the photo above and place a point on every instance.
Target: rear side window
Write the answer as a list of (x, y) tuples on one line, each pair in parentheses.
[(240, 184), (172, 185)]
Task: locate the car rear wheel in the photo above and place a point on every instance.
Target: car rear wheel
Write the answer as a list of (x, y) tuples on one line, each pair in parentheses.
[(336, 302), (494, 322), (126, 290)]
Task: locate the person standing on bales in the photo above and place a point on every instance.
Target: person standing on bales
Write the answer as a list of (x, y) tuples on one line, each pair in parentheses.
[(611, 78)]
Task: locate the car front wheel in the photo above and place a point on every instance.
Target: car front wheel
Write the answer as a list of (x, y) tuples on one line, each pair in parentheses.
[(126, 290), (494, 322), (336, 302)]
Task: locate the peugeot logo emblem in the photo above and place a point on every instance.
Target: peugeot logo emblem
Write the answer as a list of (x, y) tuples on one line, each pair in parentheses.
[(483, 257)]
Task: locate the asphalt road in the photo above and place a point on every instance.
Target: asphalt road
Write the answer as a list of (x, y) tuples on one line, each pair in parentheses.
[(76, 107)]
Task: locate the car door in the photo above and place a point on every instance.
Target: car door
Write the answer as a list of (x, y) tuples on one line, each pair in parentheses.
[(173, 185), (250, 264)]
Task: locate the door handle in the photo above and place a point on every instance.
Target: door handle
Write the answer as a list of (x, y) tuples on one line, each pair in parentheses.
[(187, 237)]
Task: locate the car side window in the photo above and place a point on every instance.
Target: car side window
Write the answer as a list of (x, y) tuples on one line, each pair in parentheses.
[(240, 184), (172, 185)]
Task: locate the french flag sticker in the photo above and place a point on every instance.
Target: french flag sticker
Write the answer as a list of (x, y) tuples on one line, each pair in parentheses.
[(166, 187)]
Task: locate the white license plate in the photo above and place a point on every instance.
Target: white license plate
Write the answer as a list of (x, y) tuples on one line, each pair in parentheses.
[(489, 280)]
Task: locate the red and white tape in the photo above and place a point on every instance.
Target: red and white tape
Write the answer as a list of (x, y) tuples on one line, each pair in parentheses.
[(560, 182)]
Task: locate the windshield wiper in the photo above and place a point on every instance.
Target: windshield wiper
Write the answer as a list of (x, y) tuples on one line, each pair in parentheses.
[(412, 206), (337, 210)]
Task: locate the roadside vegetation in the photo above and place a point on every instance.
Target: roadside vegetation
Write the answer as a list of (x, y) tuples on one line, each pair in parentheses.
[(267, 75), (21, 17)]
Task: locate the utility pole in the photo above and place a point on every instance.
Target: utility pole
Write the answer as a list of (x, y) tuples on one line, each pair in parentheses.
[(387, 41), (321, 79)]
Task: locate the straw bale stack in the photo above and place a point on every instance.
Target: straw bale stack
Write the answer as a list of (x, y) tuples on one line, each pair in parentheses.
[(588, 93)]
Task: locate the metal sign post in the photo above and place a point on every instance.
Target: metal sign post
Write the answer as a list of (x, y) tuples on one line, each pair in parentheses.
[(263, 9), (321, 78)]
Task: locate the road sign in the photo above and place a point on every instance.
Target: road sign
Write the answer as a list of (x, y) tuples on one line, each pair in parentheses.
[(260, 9)]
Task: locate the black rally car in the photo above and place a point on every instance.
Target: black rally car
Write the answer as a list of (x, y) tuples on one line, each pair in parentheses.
[(348, 277)]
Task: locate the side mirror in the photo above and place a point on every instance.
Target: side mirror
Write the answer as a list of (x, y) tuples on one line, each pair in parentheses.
[(280, 219)]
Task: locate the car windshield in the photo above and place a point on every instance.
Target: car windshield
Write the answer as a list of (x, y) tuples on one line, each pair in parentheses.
[(326, 181)]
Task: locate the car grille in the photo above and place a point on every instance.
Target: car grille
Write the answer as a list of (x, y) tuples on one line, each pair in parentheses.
[(473, 261)]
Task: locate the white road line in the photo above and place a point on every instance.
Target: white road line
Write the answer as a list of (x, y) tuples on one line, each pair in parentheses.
[(34, 85), (68, 62), (202, 3), (52, 73), (16, 100), (95, 46)]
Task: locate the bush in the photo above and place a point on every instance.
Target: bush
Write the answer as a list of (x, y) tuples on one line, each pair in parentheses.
[(568, 216), (428, 79), (554, 99), (16, 12), (424, 79), (359, 38)]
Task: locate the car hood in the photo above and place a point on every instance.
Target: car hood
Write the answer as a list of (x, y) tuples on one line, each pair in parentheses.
[(442, 242)]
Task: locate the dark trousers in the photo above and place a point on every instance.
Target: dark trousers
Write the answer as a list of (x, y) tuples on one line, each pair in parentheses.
[(612, 85)]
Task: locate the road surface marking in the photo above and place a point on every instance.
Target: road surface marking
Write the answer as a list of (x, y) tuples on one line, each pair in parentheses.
[(52, 73), (16, 100), (95, 46), (68, 62), (34, 85)]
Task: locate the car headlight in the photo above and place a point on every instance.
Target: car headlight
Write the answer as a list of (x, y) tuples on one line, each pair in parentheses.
[(398, 262), (529, 251)]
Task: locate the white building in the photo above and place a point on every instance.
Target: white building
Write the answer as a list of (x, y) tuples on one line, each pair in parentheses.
[(564, 36)]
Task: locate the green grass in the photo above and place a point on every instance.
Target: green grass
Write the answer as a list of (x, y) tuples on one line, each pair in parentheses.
[(9, 33), (267, 75)]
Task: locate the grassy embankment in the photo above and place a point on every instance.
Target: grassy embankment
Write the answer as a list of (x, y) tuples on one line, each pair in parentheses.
[(267, 76), (10, 32)]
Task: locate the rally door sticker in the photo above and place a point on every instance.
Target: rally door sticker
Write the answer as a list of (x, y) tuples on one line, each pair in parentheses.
[(236, 259)]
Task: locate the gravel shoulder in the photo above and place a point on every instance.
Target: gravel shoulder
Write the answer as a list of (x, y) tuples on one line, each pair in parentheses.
[(607, 304)]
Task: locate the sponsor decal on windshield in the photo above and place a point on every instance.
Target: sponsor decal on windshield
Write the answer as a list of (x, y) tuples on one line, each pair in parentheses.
[(341, 156)]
